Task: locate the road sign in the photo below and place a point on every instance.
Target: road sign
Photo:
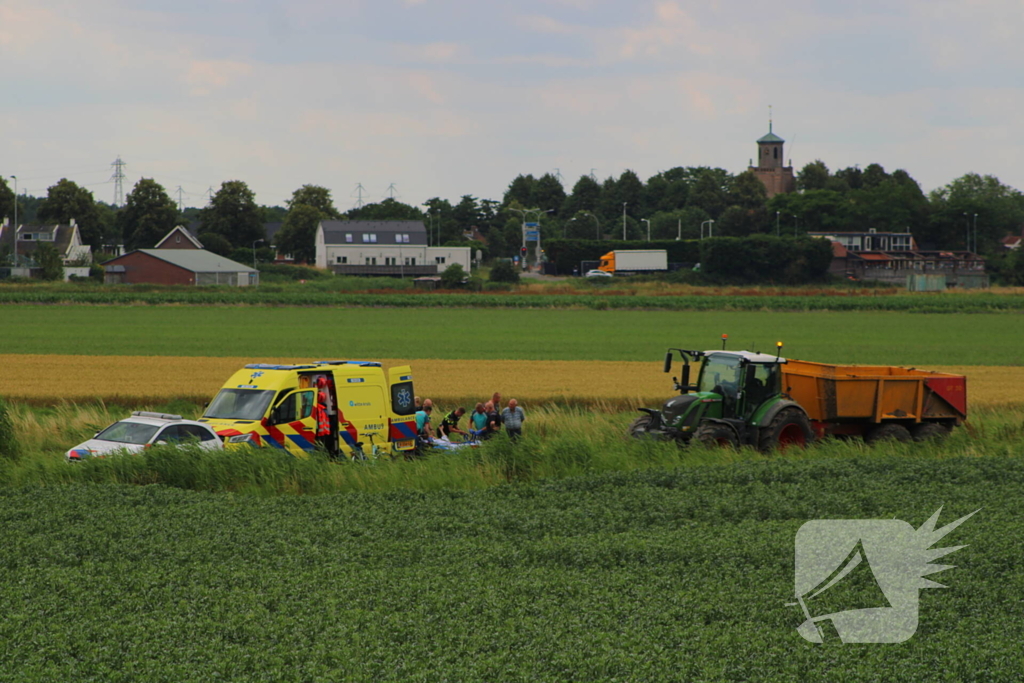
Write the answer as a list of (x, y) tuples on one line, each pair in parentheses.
[(533, 235), (532, 225)]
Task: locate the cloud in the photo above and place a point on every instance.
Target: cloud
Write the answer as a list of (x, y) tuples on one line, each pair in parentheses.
[(206, 76)]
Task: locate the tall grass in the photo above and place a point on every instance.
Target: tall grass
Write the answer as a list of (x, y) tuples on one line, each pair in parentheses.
[(558, 442)]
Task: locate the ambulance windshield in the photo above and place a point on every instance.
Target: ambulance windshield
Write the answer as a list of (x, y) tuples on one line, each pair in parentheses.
[(239, 404)]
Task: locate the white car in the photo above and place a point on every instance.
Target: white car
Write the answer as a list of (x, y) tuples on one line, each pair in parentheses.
[(142, 430), (598, 273)]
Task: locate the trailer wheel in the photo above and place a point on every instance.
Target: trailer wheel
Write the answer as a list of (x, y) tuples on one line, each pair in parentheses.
[(929, 431), (888, 432), (638, 427), (715, 434), (790, 428)]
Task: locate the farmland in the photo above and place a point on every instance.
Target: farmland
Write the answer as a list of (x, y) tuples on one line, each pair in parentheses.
[(439, 333), (657, 575)]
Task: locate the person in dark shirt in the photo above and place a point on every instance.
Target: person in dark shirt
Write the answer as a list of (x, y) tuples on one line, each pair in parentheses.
[(493, 421), (450, 423)]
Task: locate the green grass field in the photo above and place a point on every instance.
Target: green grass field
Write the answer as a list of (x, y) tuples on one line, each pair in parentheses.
[(264, 332), (661, 575)]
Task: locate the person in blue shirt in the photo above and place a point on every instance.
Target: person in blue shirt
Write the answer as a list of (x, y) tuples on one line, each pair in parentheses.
[(513, 417), (423, 418)]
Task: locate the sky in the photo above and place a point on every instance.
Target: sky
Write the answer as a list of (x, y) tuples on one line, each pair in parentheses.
[(425, 98)]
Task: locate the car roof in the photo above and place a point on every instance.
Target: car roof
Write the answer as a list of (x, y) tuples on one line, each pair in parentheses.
[(160, 421)]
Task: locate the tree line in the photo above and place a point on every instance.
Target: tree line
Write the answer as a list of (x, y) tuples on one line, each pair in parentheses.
[(678, 203)]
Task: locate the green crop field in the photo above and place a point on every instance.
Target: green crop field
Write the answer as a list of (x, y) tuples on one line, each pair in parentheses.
[(848, 337), (659, 575)]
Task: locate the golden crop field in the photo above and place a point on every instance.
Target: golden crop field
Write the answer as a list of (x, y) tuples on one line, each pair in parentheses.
[(56, 378)]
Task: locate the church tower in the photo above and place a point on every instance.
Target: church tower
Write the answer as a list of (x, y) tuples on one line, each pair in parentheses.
[(770, 170)]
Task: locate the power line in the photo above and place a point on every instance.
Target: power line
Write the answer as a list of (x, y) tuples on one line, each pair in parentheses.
[(359, 190), (391, 191)]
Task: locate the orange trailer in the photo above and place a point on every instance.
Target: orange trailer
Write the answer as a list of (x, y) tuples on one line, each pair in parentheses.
[(876, 401)]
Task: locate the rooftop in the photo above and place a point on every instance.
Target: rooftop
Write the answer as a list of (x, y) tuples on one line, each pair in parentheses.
[(195, 260)]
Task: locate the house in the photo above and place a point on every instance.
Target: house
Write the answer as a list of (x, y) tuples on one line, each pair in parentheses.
[(962, 269), (19, 243), (870, 240), (1012, 242), (383, 248), (179, 238), (177, 267)]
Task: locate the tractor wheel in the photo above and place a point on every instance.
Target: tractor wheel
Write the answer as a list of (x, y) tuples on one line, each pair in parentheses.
[(789, 429), (638, 427), (887, 432), (715, 434), (929, 431)]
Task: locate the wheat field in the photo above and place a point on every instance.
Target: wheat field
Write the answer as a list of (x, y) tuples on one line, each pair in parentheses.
[(51, 379)]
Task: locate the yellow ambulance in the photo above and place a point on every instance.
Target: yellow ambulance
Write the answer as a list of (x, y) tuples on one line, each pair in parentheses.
[(352, 408)]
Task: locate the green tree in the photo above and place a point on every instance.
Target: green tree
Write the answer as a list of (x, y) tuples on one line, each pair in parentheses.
[(298, 234), (66, 200), (520, 190), (148, 215), (48, 259), (813, 176), (710, 191), (504, 271), (747, 192), (218, 244), (852, 176), (234, 215), (316, 196), (548, 193), (874, 175), (386, 210), (586, 196), (999, 209), (453, 276), (7, 200)]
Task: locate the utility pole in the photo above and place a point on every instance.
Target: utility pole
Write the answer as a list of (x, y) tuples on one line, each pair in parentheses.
[(118, 178), (209, 195), (391, 191), (624, 221), (777, 214), (181, 205), (360, 190), (15, 211), (975, 233)]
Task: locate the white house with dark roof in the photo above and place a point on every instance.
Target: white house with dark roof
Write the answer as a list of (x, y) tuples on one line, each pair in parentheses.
[(383, 248)]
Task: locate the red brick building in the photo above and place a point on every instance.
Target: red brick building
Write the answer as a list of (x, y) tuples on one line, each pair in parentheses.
[(179, 238), (177, 267)]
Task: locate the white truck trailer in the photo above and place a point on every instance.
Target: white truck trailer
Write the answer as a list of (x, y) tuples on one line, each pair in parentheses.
[(626, 261)]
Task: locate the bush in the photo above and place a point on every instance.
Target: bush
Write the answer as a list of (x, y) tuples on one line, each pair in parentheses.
[(453, 277), (9, 446), (285, 272), (504, 271), (765, 259)]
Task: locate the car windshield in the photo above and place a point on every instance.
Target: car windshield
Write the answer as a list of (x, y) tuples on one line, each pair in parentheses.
[(721, 374), (239, 404), (128, 432)]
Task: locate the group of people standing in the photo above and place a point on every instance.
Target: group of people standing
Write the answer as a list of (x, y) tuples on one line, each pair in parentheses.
[(486, 420)]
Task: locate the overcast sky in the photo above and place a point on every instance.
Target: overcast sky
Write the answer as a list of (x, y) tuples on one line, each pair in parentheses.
[(446, 97)]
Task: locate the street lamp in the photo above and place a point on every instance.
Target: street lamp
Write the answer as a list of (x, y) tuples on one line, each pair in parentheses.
[(796, 224), (968, 221), (648, 228), (624, 221), (711, 224), (975, 231), (254, 252), (679, 235), (777, 214), (596, 222)]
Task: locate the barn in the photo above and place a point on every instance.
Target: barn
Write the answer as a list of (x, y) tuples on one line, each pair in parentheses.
[(177, 267)]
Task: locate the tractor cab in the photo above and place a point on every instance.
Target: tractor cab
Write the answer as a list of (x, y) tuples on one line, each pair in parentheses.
[(731, 386)]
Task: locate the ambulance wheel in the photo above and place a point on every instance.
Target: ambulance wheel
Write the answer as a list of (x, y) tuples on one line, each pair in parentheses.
[(789, 429), (929, 431), (888, 432), (716, 434)]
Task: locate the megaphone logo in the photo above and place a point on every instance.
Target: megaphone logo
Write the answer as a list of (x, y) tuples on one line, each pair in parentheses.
[(860, 579)]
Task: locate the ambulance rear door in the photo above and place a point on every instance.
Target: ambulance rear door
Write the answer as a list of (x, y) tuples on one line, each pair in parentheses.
[(403, 408)]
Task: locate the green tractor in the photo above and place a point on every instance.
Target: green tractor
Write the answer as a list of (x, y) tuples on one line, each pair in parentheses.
[(737, 401)]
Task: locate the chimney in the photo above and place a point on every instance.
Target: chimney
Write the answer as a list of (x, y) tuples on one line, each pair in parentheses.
[(72, 222)]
